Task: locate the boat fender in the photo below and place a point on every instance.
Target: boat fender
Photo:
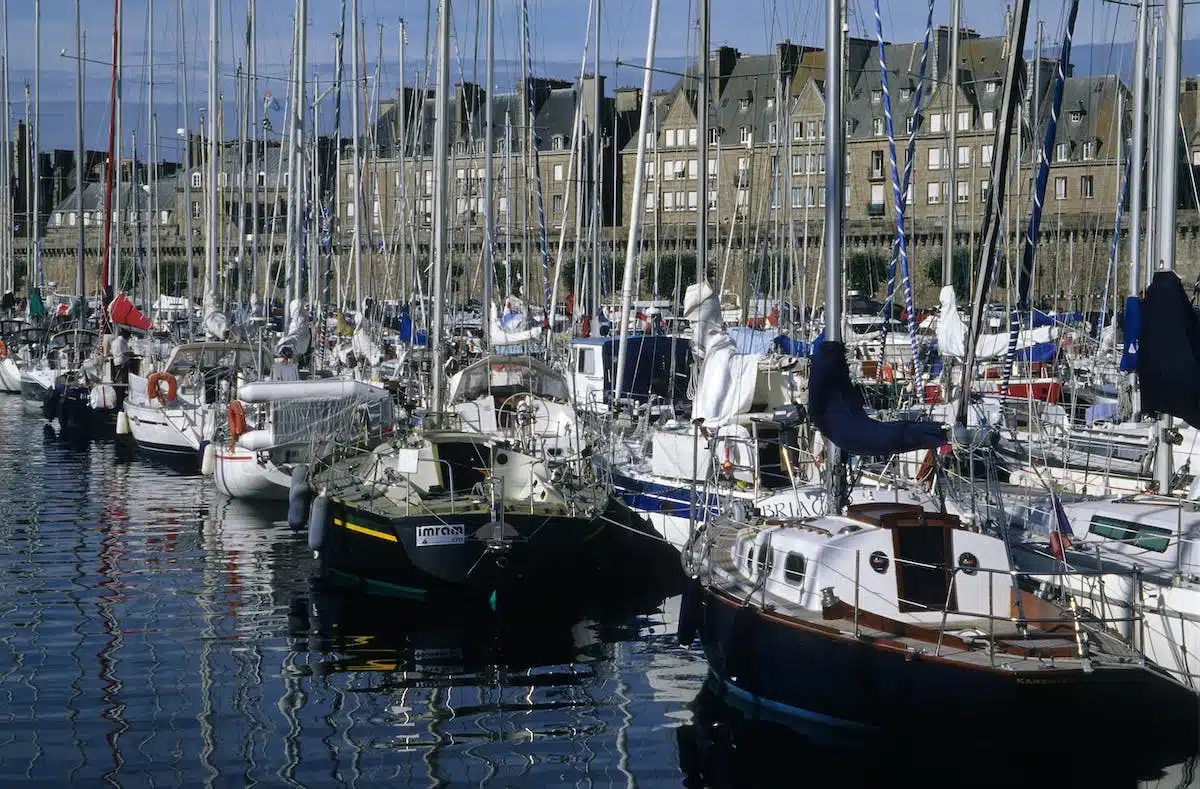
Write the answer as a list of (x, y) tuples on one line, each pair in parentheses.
[(3, 349), (154, 387), (236, 414), (318, 522), (208, 460), (299, 496), (689, 612), (122, 423)]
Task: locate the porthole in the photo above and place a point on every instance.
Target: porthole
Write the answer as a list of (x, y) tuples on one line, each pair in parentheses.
[(879, 562)]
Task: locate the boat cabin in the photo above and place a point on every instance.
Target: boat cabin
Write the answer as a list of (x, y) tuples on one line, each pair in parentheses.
[(655, 366), (892, 560)]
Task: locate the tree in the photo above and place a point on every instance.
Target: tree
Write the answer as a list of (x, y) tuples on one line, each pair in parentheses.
[(960, 262), (866, 271)]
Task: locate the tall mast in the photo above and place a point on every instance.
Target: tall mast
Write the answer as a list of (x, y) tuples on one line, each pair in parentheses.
[(35, 160), (596, 170), (402, 159), (211, 239), (489, 137), (702, 144), (835, 143), (6, 207), (79, 164), (118, 222), (1138, 151), (188, 164), (441, 149), (1152, 151), (252, 89), (150, 143), (636, 212), (296, 189), (356, 249), (1167, 186), (952, 198)]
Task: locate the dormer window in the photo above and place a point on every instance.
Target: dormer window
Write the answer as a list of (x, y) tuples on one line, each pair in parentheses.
[(746, 135), (905, 94), (1089, 150), (1075, 116), (990, 86), (197, 180), (712, 136), (559, 142), (770, 102), (744, 104), (262, 178), (876, 96), (877, 127)]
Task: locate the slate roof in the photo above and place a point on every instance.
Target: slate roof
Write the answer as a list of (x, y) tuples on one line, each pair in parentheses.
[(93, 196)]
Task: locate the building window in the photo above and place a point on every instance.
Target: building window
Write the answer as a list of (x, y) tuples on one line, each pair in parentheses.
[(650, 140), (989, 120), (650, 201), (1086, 187), (985, 154), (877, 197), (876, 164), (797, 197), (712, 200), (649, 171), (964, 120), (1060, 188), (935, 158), (670, 138), (73, 217), (964, 156), (350, 209), (557, 204), (744, 104), (262, 179), (692, 136), (909, 124), (350, 180), (1089, 150), (877, 127), (772, 132), (770, 102), (935, 123), (668, 201), (429, 182), (743, 197), (693, 169), (962, 191), (713, 136), (503, 205), (558, 172), (1062, 152), (984, 186), (691, 201), (1196, 158), (797, 130), (934, 192), (746, 136), (196, 180), (1075, 116), (876, 96), (990, 86), (712, 169), (905, 93), (797, 163), (196, 209)]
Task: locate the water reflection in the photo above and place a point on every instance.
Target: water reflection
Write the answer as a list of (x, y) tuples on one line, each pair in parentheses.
[(152, 633)]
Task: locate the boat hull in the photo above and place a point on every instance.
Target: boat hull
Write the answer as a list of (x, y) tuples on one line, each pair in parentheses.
[(156, 433), (798, 670), (437, 557), (240, 474), (10, 376)]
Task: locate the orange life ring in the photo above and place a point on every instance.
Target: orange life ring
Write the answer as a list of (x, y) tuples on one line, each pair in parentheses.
[(154, 387), (3, 350), (886, 373), (237, 421)]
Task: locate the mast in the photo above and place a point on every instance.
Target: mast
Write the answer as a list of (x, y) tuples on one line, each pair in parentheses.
[(402, 160), (952, 198), (356, 249), (211, 240), (995, 198), (835, 143), (36, 158), (252, 89), (118, 64), (1167, 186), (635, 213), (296, 188), (79, 164), (6, 207), (106, 279), (150, 143), (1152, 153), (489, 137), (594, 288), (441, 146), (1138, 151), (702, 147)]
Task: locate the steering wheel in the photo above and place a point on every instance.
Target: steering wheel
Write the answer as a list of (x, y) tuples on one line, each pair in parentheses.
[(504, 403)]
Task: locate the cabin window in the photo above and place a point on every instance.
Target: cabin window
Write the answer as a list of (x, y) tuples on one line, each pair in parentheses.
[(794, 567), (766, 561), (749, 556), (1151, 538)]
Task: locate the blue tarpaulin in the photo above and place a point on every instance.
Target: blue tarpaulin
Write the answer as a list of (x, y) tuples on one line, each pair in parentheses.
[(1132, 330)]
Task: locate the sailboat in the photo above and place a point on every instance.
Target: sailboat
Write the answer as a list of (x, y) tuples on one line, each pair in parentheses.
[(889, 617)]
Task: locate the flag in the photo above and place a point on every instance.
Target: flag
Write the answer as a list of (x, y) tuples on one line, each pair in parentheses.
[(1060, 528), (270, 102)]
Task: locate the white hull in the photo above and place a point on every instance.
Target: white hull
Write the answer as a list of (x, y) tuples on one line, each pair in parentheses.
[(10, 376), (163, 430), (239, 474)]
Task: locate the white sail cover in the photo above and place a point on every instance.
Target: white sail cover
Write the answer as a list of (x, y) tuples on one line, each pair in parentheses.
[(363, 343), (511, 325), (952, 334), (299, 334), (725, 379)]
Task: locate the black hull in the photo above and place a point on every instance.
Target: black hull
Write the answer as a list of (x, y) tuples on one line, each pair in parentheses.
[(71, 406), (766, 664), (550, 555)]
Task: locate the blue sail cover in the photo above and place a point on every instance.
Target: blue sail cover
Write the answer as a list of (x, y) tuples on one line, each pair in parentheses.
[(1132, 330), (1168, 359), (835, 406)]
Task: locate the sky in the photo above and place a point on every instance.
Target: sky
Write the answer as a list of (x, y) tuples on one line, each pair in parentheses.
[(557, 35)]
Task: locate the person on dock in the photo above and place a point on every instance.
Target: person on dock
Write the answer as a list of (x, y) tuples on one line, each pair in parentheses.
[(285, 369)]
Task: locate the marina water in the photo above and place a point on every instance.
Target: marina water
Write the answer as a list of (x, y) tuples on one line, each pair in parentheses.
[(154, 634)]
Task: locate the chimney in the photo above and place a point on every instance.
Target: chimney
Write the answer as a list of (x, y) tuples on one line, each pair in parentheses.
[(787, 60), (587, 94), (721, 66), (469, 99)]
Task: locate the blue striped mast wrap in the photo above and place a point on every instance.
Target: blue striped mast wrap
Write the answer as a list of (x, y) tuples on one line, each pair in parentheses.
[(543, 244), (1112, 250), (900, 187), (1029, 252)]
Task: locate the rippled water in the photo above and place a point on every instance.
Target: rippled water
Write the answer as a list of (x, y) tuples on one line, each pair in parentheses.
[(153, 634)]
